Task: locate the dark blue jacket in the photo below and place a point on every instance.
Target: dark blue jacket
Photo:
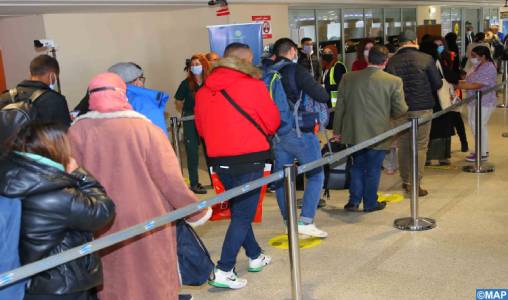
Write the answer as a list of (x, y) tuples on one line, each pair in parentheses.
[(10, 219)]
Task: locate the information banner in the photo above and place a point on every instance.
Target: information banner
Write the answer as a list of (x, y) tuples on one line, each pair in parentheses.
[(250, 33)]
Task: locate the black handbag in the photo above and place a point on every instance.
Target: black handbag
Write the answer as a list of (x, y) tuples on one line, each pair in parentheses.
[(193, 258)]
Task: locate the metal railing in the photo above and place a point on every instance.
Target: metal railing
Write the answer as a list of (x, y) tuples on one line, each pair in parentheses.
[(289, 173)]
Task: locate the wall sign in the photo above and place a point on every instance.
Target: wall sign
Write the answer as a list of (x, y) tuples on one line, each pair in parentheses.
[(266, 27)]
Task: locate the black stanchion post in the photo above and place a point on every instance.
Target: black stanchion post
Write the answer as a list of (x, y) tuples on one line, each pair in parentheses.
[(505, 85), (176, 144), (294, 245), (414, 223), (478, 167)]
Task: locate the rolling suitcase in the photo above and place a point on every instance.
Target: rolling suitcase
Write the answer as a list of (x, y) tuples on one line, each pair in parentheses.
[(337, 175)]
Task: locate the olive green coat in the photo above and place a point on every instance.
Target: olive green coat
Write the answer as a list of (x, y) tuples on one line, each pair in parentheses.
[(367, 99)]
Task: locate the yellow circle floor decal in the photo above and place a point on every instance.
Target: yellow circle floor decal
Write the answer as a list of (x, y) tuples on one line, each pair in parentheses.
[(281, 242), (392, 198)]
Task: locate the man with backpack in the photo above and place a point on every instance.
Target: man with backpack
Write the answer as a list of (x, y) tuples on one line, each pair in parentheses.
[(292, 87), (34, 99)]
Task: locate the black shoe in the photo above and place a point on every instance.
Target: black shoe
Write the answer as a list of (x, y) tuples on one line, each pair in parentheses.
[(185, 297), (322, 203), (380, 206), (421, 192), (351, 207), (198, 189), (464, 148)]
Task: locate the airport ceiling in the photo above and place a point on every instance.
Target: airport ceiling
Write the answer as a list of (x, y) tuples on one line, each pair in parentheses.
[(27, 7)]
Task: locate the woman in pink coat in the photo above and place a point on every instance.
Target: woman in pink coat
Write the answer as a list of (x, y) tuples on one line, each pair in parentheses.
[(134, 161)]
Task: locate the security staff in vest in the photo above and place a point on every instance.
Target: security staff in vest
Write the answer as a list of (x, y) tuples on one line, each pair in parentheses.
[(50, 106), (333, 70)]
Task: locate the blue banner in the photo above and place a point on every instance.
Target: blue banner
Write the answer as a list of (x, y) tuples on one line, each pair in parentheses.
[(251, 34)]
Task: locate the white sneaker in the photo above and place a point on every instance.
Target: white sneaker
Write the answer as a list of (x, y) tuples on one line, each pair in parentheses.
[(311, 230), (257, 265), (229, 280)]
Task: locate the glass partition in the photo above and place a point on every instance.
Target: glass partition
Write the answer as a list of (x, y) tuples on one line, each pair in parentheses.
[(329, 28), (409, 19), (354, 32), (393, 25), (374, 23), (302, 23)]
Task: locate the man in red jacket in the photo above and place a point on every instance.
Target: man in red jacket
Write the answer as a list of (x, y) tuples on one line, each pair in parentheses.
[(235, 115)]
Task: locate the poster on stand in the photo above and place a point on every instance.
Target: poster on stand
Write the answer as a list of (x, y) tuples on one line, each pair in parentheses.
[(250, 33), (266, 23)]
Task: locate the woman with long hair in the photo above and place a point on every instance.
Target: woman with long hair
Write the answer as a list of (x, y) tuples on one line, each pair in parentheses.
[(62, 207), (333, 70), (197, 72), (482, 77), (362, 54), (135, 162), (441, 130)]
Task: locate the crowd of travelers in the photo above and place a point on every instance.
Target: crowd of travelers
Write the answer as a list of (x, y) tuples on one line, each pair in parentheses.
[(67, 178)]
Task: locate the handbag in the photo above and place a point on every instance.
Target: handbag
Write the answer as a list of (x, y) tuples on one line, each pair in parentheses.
[(446, 93), (194, 260)]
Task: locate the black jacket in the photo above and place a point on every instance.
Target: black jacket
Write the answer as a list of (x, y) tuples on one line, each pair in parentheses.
[(420, 76), (296, 79), (50, 106), (311, 65), (59, 211)]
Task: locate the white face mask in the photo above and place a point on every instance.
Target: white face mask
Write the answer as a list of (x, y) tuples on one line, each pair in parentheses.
[(475, 61), (307, 49), (197, 70), (366, 53), (52, 85)]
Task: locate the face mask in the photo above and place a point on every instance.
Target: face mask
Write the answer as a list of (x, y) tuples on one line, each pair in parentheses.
[(197, 70), (328, 57), (295, 60), (53, 84), (307, 49), (366, 53), (475, 61), (440, 49)]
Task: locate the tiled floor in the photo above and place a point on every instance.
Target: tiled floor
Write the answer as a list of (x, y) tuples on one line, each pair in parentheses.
[(365, 257)]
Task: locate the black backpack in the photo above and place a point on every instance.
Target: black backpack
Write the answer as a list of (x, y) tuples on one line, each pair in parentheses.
[(16, 110)]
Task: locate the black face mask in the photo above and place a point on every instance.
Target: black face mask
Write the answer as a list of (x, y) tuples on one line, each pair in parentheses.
[(328, 57)]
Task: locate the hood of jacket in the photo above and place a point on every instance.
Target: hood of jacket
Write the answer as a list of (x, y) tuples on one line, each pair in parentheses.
[(21, 176), (227, 71)]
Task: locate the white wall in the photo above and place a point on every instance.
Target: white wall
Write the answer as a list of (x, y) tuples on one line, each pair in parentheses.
[(158, 41), (16, 41), (424, 13)]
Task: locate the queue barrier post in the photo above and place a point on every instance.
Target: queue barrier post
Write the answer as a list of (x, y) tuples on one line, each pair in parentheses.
[(414, 223), (294, 244), (478, 167), (505, 85), (176, 143)]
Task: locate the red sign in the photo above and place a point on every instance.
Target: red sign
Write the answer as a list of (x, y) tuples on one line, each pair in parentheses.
[(267, 25)]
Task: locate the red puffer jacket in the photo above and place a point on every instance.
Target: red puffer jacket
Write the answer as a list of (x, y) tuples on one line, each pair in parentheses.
[(229, 137)]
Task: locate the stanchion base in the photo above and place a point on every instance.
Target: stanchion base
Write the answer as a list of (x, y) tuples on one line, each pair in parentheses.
[(502, 105), (484, 168), (408, 224)]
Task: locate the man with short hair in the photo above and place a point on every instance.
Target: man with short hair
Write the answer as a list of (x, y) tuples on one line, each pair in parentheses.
[(421, 80), (303, 146), (235, 114), (366, 101), (308, 59), (50, 106)]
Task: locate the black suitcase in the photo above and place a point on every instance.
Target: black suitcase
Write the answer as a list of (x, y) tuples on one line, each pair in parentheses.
[(337, 175)]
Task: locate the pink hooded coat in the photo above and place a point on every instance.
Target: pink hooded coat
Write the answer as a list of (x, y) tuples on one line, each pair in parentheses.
[(135, 162)]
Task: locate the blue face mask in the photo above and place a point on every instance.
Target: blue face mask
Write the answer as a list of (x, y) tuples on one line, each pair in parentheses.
[(197, 70), (440, 49)]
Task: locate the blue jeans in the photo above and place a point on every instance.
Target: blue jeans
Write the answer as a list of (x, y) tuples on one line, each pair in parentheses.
[(365, 176), (243, 209), (306, 149)]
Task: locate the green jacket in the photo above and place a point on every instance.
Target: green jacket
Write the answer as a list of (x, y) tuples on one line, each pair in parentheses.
[(366, 101)]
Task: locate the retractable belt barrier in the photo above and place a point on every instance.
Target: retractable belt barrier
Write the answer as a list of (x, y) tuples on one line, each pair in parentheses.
[(50, 262)]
